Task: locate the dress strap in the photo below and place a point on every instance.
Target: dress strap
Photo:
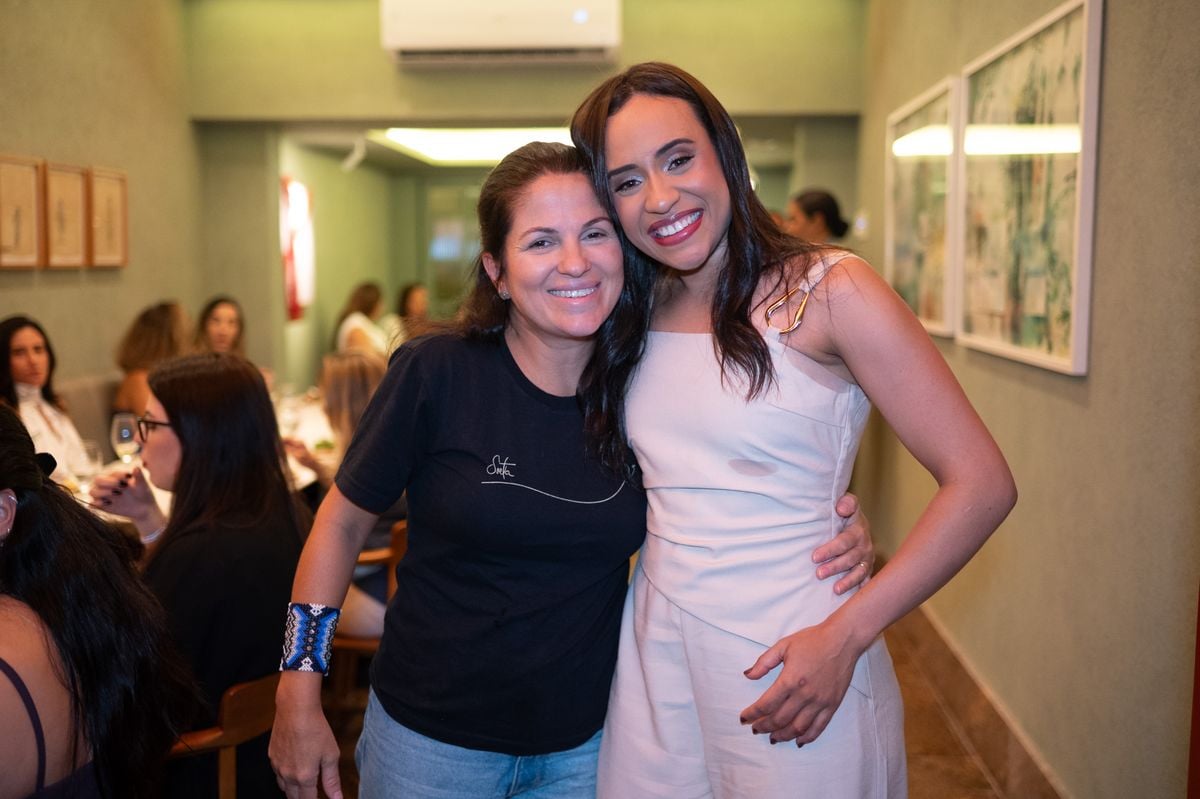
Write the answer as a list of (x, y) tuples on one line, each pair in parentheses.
[(36, 720), (815, 274)]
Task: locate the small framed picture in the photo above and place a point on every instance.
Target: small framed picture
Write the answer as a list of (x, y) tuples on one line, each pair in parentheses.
[(66, 216), (20, 212), (109, 218), (919, 223)]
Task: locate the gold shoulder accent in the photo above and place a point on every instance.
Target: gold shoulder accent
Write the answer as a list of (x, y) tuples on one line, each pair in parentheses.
[(782, 302)]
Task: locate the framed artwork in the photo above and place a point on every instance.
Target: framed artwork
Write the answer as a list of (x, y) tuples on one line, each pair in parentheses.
[(1028, 161), (20, 212), (66, 216), (109, 218), (920, 186)]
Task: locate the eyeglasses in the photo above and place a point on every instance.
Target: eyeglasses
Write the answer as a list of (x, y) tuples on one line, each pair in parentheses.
[(145, 426)]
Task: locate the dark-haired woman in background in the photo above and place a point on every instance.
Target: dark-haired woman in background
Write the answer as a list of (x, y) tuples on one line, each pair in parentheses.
[(220, 326), (27, 386), (814, 215), (410, 317), (357, 327), (159, 332), (92, 695), (222, 563)]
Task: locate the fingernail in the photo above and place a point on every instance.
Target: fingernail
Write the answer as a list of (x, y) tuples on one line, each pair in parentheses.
[(743, 721), (747, 673), (116, 491), (773, 742), (122, 483), (105, 502), (822, 574)]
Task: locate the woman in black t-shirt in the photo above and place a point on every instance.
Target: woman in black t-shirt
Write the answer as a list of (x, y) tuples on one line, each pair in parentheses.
[(492, 677)]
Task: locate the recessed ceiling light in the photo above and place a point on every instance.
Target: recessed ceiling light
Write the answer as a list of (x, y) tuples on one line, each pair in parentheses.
[(465, 146)]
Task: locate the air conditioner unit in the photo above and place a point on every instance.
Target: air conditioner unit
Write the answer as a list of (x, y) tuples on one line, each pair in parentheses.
[(465, 32)]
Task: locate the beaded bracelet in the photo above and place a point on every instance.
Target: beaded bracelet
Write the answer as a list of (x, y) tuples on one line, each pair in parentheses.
[(308, 637)]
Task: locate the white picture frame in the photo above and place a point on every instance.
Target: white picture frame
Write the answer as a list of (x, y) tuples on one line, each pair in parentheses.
[(920, 187), (1027, 159)]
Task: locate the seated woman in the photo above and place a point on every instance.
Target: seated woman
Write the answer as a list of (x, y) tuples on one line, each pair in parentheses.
[(220, 326), (411, 316), (347, 382), (357, 327), (27, 386), (91, 692), (159, 332), (222, 563)]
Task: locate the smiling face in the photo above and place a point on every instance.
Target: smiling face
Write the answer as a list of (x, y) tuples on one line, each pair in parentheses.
[(561, 263), (222, 327), (666, 182), (161, 450), (28, 357)]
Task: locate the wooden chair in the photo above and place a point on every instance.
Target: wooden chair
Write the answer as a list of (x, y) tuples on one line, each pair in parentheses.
[(348, 650), (247, 711)]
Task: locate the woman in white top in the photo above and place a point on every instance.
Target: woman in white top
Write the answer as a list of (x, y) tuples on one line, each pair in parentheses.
[(745, 416), (26, 384), (356, 327)]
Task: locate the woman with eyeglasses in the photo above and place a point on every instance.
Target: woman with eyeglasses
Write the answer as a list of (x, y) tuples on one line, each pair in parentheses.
[(222, 561)]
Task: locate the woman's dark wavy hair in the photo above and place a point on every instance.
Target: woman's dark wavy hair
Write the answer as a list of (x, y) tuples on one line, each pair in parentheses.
[(757, 248), (131, 693), (621, 337), (8, 387), (231, 459)]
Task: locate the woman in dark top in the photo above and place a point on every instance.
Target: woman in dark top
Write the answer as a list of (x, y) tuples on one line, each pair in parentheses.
[(224, 563), (493, 674), (91, 693)]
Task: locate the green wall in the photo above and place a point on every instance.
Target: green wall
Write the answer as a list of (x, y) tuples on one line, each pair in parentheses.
[(240, 230), (321, 59), (355, 238), (104, 84), (1079, 615)]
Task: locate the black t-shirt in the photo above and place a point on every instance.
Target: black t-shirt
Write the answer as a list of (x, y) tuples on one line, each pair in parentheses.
[(503, 632)]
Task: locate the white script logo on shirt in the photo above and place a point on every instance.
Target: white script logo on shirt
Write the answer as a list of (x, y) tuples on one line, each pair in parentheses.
[(500, 467)]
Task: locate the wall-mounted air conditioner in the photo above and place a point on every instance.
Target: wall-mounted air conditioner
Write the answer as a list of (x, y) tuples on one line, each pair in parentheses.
[(457, 32)]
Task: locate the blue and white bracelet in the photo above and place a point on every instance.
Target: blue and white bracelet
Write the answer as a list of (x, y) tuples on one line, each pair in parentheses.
[(308, 637)]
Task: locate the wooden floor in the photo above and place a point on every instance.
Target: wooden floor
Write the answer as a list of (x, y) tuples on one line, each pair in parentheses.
[(940, 764)]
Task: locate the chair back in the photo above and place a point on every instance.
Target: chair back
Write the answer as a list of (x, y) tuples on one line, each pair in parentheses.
[(247, 711)]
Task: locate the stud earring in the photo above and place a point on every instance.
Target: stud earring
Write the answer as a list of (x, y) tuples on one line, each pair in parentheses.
[(504, 295)]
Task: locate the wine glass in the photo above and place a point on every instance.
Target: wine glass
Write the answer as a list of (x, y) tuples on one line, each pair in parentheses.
[(87, 464), (124, 436)]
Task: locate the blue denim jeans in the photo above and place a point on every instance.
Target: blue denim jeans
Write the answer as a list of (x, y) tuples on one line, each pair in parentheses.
[(393, 761)]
